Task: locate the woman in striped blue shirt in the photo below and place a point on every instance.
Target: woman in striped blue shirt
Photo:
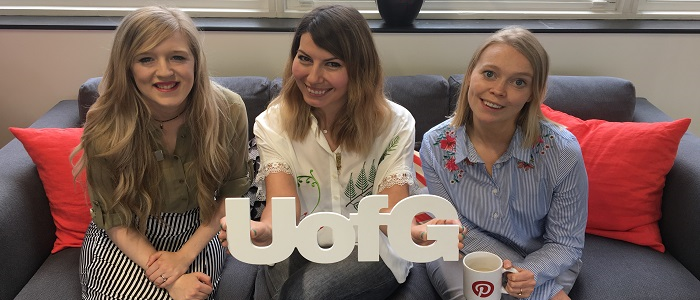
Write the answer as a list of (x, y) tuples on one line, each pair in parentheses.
[(517, 180)]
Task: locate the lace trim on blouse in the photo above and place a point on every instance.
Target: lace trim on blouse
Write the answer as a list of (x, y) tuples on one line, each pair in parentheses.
[(267, 169), (400, 177)]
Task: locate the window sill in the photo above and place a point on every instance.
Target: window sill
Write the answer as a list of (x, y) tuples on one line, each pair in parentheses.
[(419, 26)]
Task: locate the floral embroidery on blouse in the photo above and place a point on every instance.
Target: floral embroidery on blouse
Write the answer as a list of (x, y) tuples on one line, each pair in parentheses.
[(541, 148), (447, 141)]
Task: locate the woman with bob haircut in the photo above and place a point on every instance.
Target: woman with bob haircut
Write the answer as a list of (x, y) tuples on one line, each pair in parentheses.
[(162, 145), (330, 139), (517, 180)]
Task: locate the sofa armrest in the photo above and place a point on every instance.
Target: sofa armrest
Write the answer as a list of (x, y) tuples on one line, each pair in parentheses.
[(645, 111), (28, 231), (27, 226), (680, 206)]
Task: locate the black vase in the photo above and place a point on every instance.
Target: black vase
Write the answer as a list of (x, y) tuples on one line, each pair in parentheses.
[(399, 12)]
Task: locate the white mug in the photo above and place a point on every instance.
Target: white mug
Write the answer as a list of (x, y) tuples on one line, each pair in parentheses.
[(483, 273)]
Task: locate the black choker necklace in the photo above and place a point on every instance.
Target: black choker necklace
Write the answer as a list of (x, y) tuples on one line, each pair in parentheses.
[(168, 120)]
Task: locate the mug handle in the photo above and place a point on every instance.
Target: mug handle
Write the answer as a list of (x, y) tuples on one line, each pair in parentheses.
[(511, 270)]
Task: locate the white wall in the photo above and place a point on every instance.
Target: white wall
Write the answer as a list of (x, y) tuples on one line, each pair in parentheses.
[(39, 68)]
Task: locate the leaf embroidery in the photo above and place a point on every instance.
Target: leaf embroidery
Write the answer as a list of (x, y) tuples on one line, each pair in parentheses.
[(363, 184), (310, 179)]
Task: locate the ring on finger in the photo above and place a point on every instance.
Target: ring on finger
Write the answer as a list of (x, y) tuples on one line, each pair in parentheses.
[(164, 278), (521, 292)]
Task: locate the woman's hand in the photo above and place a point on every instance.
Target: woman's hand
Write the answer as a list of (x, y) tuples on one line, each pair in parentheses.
[(223, 237), (191, 286), (419, 231), (521, 284), (260, 233), (165, 267)]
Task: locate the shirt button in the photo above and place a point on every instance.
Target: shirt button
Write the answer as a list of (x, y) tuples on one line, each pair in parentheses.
[(176, 157), (497, 166), (181, 181), (494, 191), (495, 215)]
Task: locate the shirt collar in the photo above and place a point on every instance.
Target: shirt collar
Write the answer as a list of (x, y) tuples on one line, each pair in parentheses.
[(465, 148)]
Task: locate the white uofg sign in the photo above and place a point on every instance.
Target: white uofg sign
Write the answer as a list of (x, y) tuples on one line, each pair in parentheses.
[(286, 234)]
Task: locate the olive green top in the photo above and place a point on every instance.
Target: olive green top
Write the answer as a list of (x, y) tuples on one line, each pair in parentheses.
[(177, 186)]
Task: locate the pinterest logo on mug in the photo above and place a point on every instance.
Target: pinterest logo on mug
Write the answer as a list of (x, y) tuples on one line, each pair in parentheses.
[(482, 276)]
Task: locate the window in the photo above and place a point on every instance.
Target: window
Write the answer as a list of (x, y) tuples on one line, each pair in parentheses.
[(487, 9), (669, 8), (432, 9), (196, 8)]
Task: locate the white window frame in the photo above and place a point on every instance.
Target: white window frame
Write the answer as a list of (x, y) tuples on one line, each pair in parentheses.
[(195, 8), (676, 9), (484, 9), (432, 9)]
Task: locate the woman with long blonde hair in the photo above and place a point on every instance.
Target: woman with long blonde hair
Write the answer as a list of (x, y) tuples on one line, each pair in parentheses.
[(162, 146)]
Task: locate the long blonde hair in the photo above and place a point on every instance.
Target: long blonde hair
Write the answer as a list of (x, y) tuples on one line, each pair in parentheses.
[(343, 32), (530, 115), (119, 131)]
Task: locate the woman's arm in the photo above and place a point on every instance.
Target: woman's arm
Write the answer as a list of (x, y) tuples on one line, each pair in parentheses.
[(133, 243), (172, 265), (276, 185)]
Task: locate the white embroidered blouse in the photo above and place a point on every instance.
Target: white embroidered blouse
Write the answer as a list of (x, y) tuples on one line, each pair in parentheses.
[(336, 181)]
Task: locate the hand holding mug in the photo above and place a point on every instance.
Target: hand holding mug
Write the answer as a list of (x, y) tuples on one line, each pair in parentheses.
[(521, 284)]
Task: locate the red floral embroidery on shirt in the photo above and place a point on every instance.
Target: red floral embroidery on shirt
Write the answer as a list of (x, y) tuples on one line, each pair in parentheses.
[(451, 165), (447, 141), (525, 166), (541, 147)]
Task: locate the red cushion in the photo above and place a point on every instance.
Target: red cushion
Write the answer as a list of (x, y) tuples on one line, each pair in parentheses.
[(627, 163), (418, 166), (50, 149)]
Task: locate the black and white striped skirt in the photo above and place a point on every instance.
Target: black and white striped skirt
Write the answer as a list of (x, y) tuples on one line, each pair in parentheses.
[(107, 273)]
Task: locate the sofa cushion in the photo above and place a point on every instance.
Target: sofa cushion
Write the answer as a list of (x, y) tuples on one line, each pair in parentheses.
[(581, 96), (50, 149), (609, 264), (425, 96), (592, 97), (627, 163), (255, 92), (57, 278)]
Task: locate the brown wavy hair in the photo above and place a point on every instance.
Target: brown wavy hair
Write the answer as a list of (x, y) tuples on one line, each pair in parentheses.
[(343, 32)]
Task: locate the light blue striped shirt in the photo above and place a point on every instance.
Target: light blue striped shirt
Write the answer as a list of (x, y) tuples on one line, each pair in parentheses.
[(532, 210)]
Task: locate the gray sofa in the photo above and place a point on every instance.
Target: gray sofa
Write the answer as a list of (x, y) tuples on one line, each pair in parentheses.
[(612, 269)]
